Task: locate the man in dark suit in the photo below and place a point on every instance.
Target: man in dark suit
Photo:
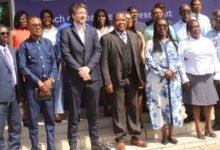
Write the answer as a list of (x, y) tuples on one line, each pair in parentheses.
[(81, 52), (120, 70), (9, 106)]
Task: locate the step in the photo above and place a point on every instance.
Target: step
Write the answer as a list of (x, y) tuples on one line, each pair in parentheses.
[(106, 134)]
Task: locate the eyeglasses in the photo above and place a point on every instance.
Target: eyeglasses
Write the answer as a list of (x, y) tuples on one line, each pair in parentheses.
[(4, 33), (37, 25), (162, 25)]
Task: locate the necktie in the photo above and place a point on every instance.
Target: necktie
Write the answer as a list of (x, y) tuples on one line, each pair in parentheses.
[(197, 16), (123, 37), (9, 62), (215, 39)]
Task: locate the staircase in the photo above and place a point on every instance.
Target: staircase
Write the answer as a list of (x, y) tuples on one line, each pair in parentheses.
[(185, 135)]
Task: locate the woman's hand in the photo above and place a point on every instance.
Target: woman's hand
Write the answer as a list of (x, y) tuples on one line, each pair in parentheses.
[(187, 85), (169, 74)]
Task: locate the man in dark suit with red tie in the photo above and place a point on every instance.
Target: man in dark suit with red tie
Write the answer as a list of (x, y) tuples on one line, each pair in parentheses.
[(9, 105)]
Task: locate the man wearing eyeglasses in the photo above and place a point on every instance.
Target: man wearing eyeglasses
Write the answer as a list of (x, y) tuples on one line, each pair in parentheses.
[(180, 26), (9, 105), (37, 63)]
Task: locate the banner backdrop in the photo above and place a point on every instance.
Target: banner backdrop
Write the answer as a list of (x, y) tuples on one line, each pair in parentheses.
[(60, 7)]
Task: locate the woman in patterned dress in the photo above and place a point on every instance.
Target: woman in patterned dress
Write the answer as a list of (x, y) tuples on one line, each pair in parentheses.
[(163, 81)]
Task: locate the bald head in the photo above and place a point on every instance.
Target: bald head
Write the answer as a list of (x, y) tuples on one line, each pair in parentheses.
[(184, 12)]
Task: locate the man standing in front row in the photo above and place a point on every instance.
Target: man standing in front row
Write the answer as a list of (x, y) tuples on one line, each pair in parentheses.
[(9, 105), (121, 76), (37, 63), (81, 52)]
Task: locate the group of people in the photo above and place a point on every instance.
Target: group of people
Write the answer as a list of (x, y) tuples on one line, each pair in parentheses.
[(123, 63)]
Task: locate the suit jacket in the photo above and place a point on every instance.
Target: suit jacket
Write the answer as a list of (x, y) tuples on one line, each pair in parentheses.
[(5, 77), (76, 54), (111, 58)]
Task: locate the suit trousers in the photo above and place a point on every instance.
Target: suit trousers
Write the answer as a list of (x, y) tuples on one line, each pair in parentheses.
[(10, 112), (125, 110), (47, 109), (217, 108), (90, 91)]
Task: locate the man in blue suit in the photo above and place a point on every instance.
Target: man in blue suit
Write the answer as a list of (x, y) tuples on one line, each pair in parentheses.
[(37, 63), (81, 52), (9, 105)]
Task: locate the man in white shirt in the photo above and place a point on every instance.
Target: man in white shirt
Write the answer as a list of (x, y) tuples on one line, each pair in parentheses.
[(205, 25), (180, 26)]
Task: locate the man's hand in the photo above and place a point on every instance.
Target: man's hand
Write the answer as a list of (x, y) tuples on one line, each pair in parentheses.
[(109, 88), (187, 85), (40, 84), (84, 73), (141, 86), (47, 85), (217, 82)]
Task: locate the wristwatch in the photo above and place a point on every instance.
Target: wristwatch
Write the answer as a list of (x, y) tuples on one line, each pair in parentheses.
[(53, 81)]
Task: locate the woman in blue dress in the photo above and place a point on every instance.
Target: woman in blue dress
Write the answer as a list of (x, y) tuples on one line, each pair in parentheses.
[(163, 81)]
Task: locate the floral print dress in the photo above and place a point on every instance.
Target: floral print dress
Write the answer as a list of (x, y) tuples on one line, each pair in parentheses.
[(157, 87)]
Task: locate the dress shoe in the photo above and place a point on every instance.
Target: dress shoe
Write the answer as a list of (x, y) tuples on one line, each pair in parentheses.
[(201, 136), (139, 143), (216, 126), (120, 145), (58, 118), (210, 134), (98, 146)]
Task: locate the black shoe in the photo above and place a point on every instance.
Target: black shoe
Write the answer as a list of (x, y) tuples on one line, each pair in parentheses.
[(216, 127), (98, 146), (172, 140), (164, 141)]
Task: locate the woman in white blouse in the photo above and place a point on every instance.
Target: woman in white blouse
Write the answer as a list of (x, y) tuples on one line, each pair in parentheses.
[(101, 22), (50, 32), (200, 69)]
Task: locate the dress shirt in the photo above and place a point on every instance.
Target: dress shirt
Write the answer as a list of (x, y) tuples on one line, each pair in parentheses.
[(50, 34), (81, 32), (204, 22), (198, 57), (106, 30), (211, 35), (12, 62), (37, 60), (122, 35), (180, 29)]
